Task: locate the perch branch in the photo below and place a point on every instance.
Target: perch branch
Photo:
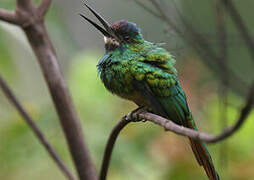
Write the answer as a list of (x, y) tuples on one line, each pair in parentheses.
[(201, 136), (110, 145), (33, 25), (168, 125), (38, 133)]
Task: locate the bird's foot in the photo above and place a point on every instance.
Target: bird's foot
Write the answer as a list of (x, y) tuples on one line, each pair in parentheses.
[(134, 115)]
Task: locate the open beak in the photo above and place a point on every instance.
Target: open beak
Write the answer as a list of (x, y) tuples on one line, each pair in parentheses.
[(107, 32)]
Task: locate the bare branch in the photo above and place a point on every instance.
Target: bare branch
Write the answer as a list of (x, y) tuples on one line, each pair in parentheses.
[(43, 7), (8, 16), (138, 115), (202, 47), (208, 55), (24, 4), (110, 145), (223, 87), (35, 30), (166, 18), (221, 29), (171, 126), (148, 9), (38, 133), (237, 19), (62, 100)]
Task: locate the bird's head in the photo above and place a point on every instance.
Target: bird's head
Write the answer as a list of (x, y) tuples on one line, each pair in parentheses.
[(118, 34)]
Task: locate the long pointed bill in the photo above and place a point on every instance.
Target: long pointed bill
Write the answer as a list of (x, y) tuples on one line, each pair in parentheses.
[(105, 33), (105, 24)]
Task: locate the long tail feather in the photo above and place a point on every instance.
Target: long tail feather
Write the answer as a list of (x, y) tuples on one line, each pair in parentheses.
[(175, 108), (204, 159)]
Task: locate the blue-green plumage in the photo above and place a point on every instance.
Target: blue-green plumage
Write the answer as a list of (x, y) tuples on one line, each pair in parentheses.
[(144, 73)]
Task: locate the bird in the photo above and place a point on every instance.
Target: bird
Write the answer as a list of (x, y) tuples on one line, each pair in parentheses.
[(144, 73)]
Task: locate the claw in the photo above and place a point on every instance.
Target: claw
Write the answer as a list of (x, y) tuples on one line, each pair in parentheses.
[(133, 116)]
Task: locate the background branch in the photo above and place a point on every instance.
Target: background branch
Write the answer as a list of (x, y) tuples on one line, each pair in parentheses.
[(223, 87), (43, 7), (148, 9), (202, 48), (34, 28), (110, 145), (25, 4), (8, 16), (237, 19), (38, 133)]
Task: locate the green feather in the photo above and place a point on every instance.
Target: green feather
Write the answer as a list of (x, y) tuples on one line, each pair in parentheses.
[(144, 67)]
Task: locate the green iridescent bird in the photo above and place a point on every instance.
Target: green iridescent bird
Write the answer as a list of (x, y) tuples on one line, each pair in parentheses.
[(144, 73)]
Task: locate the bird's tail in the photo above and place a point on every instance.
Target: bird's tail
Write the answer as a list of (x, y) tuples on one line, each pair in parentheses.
[(203, 157)]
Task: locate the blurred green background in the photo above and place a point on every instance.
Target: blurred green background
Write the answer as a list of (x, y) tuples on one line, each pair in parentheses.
[(143, 150)]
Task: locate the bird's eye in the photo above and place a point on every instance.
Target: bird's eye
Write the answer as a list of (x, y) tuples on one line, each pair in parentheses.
[(126, 38)]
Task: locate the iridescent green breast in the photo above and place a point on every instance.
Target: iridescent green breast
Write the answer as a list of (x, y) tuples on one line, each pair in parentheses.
[(115, 70), (117, 77), (141, 62)]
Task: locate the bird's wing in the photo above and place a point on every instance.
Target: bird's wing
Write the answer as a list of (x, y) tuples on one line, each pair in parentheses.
[(161, 89), (165, 101), (156, 80), (160, 58)]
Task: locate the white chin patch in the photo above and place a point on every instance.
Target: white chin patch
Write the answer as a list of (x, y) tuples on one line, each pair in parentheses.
[(111, 41), (105, 39)]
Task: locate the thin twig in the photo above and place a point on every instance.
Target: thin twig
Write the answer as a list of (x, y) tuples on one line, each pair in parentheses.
[(208, 55), (223, 87), (110, 145), (201, 136), (33, 25), (8, 16), (43, 7), (148, 9), (166, 18), (38, 133), (202, 47), (221, 29), (240, 24), (24, 4)]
